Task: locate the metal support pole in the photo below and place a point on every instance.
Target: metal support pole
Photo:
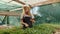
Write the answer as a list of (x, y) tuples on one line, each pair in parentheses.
[(7, 18)]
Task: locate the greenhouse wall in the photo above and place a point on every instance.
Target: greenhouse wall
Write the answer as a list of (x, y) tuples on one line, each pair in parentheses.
[(50, 13)]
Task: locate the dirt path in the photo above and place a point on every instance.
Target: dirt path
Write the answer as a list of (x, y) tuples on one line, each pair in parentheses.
[(57, 31), (5, 26)]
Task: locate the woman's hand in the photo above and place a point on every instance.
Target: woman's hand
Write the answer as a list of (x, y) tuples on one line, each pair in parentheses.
[(32, 20), (26, 25)]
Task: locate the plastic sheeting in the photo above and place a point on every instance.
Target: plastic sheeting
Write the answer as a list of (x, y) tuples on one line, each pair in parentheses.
[(48, 13)]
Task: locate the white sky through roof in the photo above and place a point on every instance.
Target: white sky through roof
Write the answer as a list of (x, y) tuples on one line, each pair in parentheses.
[(32, 1), (26, 1), (10, 2)]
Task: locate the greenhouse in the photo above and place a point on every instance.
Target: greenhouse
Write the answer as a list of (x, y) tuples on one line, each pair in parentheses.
[(46, 14)]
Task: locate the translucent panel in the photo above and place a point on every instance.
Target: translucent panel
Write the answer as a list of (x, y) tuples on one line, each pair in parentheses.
[(8, 6), (32, 1), (14, 20), (45, 13), (50, 13)]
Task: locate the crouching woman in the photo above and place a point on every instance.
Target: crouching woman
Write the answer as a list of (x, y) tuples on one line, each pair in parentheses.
[(27, 19)]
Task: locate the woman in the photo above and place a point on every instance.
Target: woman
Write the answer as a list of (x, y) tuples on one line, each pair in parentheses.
[(27, 18)]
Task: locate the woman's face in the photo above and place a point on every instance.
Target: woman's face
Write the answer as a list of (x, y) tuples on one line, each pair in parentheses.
[(26, 9)]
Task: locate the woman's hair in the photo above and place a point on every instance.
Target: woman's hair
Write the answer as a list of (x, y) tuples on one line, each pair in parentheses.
[(24, 8)]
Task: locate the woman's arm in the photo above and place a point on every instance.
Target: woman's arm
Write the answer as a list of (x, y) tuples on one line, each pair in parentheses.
[(24, 23), (22, 19), (33, 19)]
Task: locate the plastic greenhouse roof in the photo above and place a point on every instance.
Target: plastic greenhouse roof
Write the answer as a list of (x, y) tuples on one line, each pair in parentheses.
[(7, 5), (4, 5)]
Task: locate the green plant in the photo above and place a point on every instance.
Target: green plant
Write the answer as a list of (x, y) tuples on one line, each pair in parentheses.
[(37, 29)]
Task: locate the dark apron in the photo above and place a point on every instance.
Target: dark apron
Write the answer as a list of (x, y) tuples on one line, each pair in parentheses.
[(27, 21)]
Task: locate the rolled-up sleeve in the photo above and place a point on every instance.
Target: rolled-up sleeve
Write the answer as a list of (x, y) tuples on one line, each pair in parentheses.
[(32, 16)]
